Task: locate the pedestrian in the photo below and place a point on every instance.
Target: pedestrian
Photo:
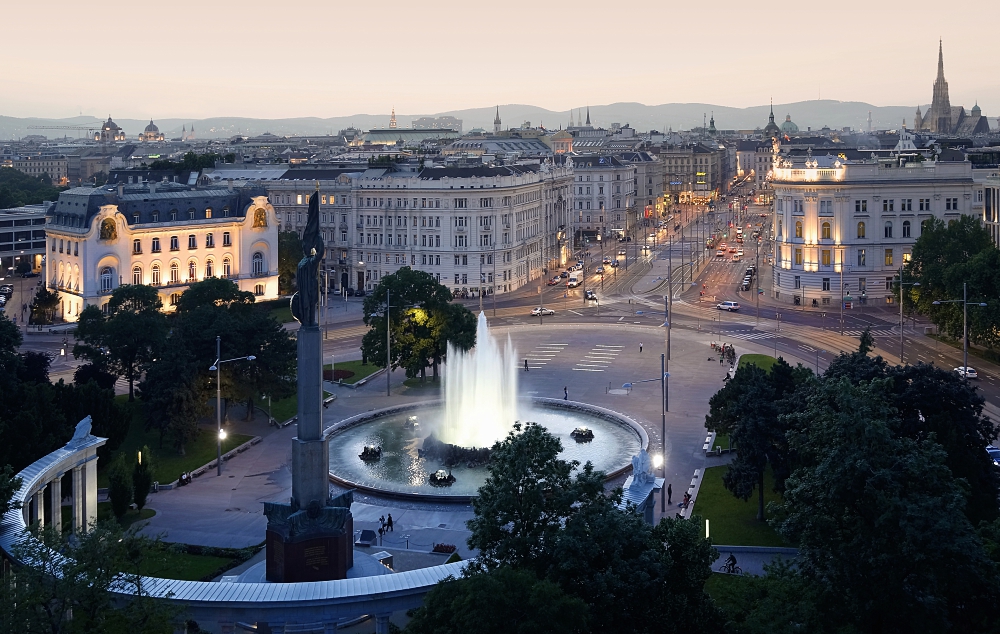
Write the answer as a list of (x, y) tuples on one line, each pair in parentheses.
[(388, 522), (526, 365), (670, 492), (565, 393), (381, 521), (640, 347), (720, 359)]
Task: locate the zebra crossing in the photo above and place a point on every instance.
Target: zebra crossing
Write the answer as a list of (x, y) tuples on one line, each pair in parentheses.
[(541, 354), (747, 335), (598, 359)]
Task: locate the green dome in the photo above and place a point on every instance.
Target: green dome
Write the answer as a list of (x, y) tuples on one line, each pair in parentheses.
[(788, 126)]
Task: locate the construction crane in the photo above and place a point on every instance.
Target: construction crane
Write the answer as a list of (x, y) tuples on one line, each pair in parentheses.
[(79, 128)]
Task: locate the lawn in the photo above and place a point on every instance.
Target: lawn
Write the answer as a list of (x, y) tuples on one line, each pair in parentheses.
[(721, 440), (360, 370), (277, 309), (185, 566), (104, 513), (732, 521), (415, 384), (167, 463), (763, 361), (287, 407)]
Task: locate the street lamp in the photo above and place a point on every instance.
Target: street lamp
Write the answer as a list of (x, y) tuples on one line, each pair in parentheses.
[(664, 407), (965, 325), (901, 285), (217, 368)]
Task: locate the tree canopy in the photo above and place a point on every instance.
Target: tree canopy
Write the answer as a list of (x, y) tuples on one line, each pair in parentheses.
[(18, 189)]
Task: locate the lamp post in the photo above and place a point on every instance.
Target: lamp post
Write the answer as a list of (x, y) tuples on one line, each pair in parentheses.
[(901, 285), (664, 408), (965, 325), (217, 368)]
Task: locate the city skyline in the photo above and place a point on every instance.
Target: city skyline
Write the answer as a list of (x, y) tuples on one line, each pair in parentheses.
[(200, 61)]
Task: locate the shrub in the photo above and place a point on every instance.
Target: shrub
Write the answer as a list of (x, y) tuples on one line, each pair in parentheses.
[(142, 477), (120, 486)]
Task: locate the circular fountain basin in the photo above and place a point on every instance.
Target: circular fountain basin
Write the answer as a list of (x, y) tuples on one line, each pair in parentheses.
[(402, 473)]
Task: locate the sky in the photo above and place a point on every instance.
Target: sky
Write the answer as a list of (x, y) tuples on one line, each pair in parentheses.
[(325, 58)]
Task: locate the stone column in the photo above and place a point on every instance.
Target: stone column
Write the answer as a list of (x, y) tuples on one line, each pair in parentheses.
[(38, 506), (90, 492), (77, 496), (55, 503), (310, 455), (382, 623)]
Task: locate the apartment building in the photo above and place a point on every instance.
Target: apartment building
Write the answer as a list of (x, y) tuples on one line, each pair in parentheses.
[(604, 193)]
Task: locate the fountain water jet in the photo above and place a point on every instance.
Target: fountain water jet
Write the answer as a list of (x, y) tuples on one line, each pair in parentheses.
[(480, 391)]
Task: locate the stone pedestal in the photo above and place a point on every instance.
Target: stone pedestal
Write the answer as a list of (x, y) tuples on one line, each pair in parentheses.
[(313, 544)]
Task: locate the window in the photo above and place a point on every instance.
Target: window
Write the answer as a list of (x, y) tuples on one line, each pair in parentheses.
[(888, 283), (156, 216), (825, 257), (298, 199), (174, 243), (906, 204), (155, 247), (192, 271), (208, 213), (906, 228), (862, 260), (155, 275), (209, 240), (798, 256), (825, 231), (174, 298), (860, 206), (861, 230), (107, 279), (906, 257), (888, 257), (227, 267), (888, 229), (826, 207), (258, 289), (888, 204), (192, 242), (175, 273), (797, 207), (226, 239), (826, 283), (951, 204), (136, 275), (924, 204), (258, 263), (137, 246), (209, 268), (798, 282), (798, 228)]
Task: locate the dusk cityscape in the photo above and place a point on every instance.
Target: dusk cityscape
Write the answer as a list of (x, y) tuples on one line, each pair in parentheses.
[(424, 318)]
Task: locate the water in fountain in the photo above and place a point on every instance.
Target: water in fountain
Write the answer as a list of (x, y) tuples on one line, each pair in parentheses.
[(480, 391)]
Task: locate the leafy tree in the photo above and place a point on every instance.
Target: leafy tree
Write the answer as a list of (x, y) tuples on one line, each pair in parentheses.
[(142, 477), (18, 188), (782, 601), (90, 372), (9, 485), (34, 367), (120, 486), (214, 291), (507, 600), (44, 306), (67, 588), (174, 395), (879, 519), (289, 254), (129, 338)]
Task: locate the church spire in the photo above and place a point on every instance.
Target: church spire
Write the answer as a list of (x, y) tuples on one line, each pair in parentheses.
[(496, 121), (588, 115), (392, 119), (940, 74)]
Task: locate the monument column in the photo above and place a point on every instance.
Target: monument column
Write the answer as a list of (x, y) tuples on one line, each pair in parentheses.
[(38, 506), (310, 454), (382, 623), (90, 489), (55, 503), (77, 496)]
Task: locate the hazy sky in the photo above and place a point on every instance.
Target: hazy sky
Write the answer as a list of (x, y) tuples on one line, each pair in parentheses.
[(256, 58)]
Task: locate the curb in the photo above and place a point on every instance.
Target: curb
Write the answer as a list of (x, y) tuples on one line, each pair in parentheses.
[(226, 456)]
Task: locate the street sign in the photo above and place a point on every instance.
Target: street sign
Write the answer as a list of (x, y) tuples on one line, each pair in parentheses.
[(848, 305)]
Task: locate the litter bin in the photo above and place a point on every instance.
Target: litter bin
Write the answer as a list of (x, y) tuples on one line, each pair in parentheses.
[(156, 486)]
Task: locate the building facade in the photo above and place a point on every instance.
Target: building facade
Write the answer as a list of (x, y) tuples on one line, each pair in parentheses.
[(857, 221), (603, 197), (159, 234), (467, 226), (56, 166), (22, 237)]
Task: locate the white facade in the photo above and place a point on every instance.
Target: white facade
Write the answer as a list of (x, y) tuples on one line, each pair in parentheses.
[(834, 217), (500, 223), (603, 196), (99, 239)]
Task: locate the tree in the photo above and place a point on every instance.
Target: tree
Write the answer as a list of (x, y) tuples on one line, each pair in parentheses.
[(878, 519), (174, 394), (289, 254), (89, 372), (507, 600), (9, 485), (120, 486), (213, 291), (142, 477), (18, 189), (34, 367), (129, 338)]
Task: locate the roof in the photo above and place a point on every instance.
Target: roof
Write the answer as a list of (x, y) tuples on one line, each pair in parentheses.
[(596, 162), (485, 171)]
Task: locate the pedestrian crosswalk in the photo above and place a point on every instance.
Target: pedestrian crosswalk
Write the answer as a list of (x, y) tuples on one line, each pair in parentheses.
[(747, 335), (541, 354), (599, 358)]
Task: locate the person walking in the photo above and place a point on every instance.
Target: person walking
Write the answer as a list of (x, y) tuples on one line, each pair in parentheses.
[(526, 365), (670, 492), (640, 347), (565, 393), (388, 522)]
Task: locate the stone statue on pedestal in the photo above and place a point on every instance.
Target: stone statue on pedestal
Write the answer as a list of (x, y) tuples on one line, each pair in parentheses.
[(306, 297)]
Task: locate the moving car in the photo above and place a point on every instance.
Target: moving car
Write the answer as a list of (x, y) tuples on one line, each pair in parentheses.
[(967, 372), (564, 274), (732, 249), (591, 295), (607, 259), (719, 253), (614, 264), (739, 252), (621, 251), (599, 270), (728, 306), (535, 312), (555, 280)]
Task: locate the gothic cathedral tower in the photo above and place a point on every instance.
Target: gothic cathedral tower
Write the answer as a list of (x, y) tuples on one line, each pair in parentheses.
[(939, 118)]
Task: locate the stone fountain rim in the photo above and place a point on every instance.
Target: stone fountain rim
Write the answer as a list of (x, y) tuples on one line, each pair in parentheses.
[(554, 403)]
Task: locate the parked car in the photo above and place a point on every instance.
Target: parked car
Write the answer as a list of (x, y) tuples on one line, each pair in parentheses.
[(994, 455), (728, 306), (359, 293), (535, 312), (555, 280), (350, 292), (967, 372), (564, 274)]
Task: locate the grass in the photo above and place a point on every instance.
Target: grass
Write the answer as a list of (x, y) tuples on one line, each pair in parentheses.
[(167, 463), (762, 361), (721, 440), (732, 521), (360, 370), (287, 407), (104, 513), (429, 384), (991, 356), (185, 566), (277, 309)]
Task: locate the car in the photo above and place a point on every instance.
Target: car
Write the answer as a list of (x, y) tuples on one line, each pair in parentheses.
[(614, 264), (652, 236), (967, 372), (599, 270), (606, 259), (994, 455), (590, 295), (728, 306), (723, 246), (7, 288), (719, 253), (736, 258), (621, 251), (745, 286), (3, 300), (732, 249), (359, 293), (350, 292), (29, 274), (555, 280), (739, 252), (564, 274), (535, 312)]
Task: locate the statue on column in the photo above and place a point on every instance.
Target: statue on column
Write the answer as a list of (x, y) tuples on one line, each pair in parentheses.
[(306, 297)]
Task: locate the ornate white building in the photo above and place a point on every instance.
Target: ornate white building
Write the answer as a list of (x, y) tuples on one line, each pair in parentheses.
[(857, 220), (164, 235)]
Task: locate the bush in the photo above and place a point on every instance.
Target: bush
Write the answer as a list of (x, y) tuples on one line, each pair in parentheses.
[(142, 477), (336, 375), (444, 548), (120, 486)]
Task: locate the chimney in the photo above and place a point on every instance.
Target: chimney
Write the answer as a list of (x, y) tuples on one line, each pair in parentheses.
[(152, 187), (121, 188), (229, 184), (129, 180)]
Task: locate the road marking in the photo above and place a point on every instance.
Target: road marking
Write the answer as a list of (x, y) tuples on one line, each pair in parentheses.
[(574, 312), (808, 348), (586, 370), (600, 345), (620, 318)]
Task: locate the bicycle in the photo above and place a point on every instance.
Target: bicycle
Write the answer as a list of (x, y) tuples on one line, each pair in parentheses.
[(730, 569)]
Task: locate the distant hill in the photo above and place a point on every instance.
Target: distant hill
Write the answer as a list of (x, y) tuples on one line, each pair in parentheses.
[(679, 116)]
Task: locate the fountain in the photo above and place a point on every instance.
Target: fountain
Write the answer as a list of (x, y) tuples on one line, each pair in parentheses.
[(440, 449)]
